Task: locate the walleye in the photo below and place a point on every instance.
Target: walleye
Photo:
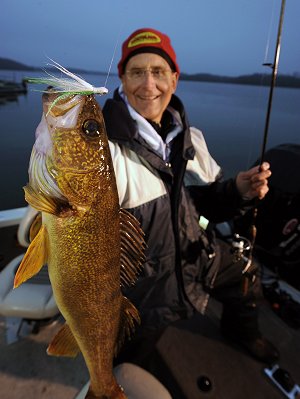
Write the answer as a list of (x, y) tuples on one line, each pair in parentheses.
[(91, 246)]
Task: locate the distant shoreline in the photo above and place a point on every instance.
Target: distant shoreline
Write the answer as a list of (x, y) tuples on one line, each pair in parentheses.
[(256, 79)]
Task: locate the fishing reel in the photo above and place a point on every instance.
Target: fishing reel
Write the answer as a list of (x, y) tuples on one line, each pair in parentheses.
[(241, 248)]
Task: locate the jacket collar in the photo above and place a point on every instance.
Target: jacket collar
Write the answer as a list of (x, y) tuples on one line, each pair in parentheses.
[(121, 127)]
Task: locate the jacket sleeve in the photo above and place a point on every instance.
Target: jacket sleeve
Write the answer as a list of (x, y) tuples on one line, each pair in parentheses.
[(219, 201), (215, 199)]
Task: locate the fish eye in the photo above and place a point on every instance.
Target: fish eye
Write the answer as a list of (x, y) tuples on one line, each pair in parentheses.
[(91, 128)]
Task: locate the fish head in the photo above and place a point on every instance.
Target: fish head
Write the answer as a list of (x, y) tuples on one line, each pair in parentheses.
[(70, 158)]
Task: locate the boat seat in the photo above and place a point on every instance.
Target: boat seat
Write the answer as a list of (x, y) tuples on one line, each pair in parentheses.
[(136, 382), (33, 300)]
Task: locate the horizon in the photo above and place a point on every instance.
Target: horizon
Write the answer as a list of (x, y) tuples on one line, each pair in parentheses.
[(71, 68)]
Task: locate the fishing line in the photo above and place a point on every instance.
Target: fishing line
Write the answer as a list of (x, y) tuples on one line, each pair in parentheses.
[(115, 48), (271, 23), (112, 59)]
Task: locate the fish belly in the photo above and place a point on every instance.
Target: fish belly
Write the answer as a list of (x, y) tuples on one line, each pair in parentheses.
[(84, 269)]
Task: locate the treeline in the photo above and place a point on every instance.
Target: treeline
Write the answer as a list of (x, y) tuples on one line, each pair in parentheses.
[(254, 79), (12, 65)]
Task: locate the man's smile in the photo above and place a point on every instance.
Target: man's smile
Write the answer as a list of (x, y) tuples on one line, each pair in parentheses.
[(147, 98)]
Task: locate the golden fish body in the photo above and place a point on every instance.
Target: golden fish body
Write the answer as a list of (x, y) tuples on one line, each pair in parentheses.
[(88, 242)]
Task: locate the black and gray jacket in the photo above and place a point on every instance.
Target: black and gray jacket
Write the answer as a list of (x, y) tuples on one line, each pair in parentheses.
[(168, 196)]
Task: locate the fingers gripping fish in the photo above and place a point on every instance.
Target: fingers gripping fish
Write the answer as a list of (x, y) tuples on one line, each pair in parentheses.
[(91, 246)]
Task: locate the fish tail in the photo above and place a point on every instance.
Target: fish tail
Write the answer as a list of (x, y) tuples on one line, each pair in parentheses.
[(116, 393)]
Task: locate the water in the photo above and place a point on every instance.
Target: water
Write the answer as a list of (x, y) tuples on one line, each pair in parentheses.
[(232, 118)]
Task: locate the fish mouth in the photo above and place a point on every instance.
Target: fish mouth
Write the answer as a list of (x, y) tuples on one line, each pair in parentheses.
[(57, 105)]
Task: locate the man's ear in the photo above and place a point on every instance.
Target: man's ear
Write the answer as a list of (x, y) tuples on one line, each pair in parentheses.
[(175, 77)]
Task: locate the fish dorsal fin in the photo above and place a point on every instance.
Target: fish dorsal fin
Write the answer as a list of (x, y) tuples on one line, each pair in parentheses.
[(42, 203), (132, 247), (34, 259), (129, 316), (64, 343)]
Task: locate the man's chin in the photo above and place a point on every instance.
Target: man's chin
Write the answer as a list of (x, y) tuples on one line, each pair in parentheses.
[(152, 115)]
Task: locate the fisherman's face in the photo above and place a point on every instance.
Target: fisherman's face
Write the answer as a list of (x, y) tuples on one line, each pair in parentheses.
[(149, 83)]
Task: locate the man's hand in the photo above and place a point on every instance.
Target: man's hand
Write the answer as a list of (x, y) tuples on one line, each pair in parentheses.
[(254, 182)]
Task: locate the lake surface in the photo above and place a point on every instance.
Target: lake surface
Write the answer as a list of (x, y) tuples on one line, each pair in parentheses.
[(232, 118)]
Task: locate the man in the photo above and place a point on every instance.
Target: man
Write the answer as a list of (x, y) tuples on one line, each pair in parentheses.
[(167, 179)]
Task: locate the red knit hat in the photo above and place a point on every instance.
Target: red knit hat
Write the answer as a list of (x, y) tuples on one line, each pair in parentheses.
[(147, 40)]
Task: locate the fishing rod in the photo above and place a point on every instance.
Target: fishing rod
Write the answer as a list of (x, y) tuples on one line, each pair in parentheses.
[(248, 274), (274, 67)]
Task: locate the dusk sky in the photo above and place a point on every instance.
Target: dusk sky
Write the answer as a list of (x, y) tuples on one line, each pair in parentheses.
[(225, 37)]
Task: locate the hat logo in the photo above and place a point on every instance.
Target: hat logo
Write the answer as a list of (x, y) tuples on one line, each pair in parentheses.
[(144, 38)]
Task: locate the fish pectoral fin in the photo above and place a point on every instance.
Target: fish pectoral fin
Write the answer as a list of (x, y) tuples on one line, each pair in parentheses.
[(132, 248), (42, 203), (35, 226), (129, 316), (34, 259), (64, 343)]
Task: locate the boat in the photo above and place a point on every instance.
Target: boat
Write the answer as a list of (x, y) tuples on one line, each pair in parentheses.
[(10, 88), (191, 359)]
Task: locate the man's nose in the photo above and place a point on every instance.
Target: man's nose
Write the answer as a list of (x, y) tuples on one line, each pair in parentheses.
[(148, 79)]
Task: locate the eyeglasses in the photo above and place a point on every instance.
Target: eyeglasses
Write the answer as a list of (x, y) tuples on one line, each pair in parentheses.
[(138, 74)]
